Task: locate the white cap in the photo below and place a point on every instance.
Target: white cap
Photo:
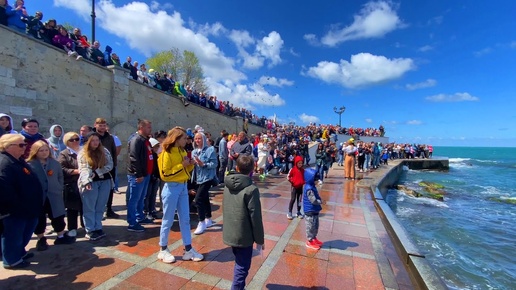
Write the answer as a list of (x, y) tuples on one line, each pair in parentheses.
[(153, 142)]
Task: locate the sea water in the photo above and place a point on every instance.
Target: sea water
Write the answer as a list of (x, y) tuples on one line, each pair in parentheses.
[(470, 238)]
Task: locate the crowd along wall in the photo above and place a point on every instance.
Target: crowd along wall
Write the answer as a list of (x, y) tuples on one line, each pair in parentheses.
[(40, 81)]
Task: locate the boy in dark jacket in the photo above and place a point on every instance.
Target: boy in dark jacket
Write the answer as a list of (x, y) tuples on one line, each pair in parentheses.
[(311, 207), (297, 180), (242, 213)]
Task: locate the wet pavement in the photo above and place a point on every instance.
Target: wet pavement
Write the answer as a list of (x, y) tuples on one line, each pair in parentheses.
[(357, 251)]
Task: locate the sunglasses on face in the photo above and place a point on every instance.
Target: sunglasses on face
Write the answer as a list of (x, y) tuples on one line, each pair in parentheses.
[(21, 145), (74, 139)]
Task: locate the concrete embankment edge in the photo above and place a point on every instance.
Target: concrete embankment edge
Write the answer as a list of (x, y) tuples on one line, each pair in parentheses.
[(421, 272)]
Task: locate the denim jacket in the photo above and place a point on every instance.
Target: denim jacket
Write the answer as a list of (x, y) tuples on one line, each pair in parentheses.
[(209, 159)]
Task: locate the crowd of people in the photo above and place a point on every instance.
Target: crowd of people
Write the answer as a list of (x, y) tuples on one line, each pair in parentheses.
[(77, 45)]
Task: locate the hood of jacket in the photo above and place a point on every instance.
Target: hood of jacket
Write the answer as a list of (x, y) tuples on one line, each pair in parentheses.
[(236, 182), (56, 142), (109, 49), (204, 145), (297, 159), (9, 130), (310, 176)]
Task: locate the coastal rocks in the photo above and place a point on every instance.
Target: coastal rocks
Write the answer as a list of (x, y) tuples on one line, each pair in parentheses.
[(504, 199), (430, 190)]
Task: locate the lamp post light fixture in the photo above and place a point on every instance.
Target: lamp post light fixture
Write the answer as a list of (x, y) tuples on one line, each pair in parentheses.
[(93, 21), (339, 111)]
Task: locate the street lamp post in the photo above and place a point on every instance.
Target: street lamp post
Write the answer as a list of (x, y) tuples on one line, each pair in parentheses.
[(92, 21), (339, 111)]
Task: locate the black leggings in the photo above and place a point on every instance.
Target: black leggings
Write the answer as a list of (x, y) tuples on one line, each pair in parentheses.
[(58, 223), (295, 193), (202, 200)]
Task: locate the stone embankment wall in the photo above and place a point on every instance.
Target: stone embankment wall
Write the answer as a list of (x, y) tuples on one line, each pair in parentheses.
[(422, 273), (40, 81)]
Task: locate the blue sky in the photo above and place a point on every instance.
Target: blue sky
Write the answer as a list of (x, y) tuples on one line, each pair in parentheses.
[(439, 72)]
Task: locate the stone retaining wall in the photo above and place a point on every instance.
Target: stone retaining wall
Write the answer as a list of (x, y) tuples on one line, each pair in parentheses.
[(40, 81)]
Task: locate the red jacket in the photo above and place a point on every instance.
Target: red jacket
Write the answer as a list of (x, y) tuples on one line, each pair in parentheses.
[(296, 176)]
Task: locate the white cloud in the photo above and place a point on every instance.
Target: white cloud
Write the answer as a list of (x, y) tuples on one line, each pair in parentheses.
[(267, 49), (308, 119), (425, 48), (426, 84), (222, 77), (457, 97), (272, 81), (294, 53), (375, 20), (363, 69), (369, 120), (482, 52), (311, 39), (414, 122)]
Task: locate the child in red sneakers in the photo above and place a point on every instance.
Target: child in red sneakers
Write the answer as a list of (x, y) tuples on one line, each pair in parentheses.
[(311, 207), (297, 180)]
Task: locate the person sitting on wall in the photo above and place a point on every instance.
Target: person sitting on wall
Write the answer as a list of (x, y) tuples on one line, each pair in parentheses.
[(49, 31), (81, 42), (64, 42), (96, 54)]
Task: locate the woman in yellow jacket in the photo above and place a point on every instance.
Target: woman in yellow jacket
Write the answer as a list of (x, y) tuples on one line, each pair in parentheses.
[(175, 167)]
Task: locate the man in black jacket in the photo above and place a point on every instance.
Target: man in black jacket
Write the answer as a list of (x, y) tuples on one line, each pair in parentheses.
[(109, 143), (139, 168)]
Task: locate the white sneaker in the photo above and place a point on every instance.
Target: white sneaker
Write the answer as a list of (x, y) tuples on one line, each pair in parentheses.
[(201, 227), (208, 222), (72, 53), (72, 233), (320, 182), (166, 256), (79, 57), (192, 255)]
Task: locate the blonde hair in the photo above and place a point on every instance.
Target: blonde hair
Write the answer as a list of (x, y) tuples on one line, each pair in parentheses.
[(8, 139), (68, 136), (35, 148), (96, 158)]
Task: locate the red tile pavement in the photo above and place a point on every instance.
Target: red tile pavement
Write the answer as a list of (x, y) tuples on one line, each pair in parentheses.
[(350, 228)]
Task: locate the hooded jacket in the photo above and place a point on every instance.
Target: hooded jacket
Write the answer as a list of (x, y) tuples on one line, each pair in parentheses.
[(296, 175), (311, 199), (207, 155), (9, 130), (242, 212), (56, 143)]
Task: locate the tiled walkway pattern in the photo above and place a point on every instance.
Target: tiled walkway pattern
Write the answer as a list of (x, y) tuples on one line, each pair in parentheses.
[(357, 254)]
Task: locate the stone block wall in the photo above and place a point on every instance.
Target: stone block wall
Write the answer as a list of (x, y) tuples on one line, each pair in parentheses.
[(40, 81)]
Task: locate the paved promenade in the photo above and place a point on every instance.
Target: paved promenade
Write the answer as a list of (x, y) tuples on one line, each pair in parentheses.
[(357, 253)]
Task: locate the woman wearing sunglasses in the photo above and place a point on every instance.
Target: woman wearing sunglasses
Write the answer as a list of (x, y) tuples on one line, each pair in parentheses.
[(21, 201), (72, 197)]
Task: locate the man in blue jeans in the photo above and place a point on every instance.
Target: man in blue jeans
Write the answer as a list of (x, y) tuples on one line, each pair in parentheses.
[(139, 168)]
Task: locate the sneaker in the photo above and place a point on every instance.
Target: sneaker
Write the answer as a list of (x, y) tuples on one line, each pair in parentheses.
[(166, 256), (208, 222), (136, 228), (111, 214), (150, 217), (72, 53), (92, 236), (312, 245), (145, 221), (28, 256), (187, 104), (192, 255), (300, 215), (20, 265), (201, 227), (316, 241), (79, 57), (320, 182), (72, 233), (65, 240), (100, 234), (42, 245), (289, 216)]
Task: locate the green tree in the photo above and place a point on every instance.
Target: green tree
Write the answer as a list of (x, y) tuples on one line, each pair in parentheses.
[(183, 67)]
